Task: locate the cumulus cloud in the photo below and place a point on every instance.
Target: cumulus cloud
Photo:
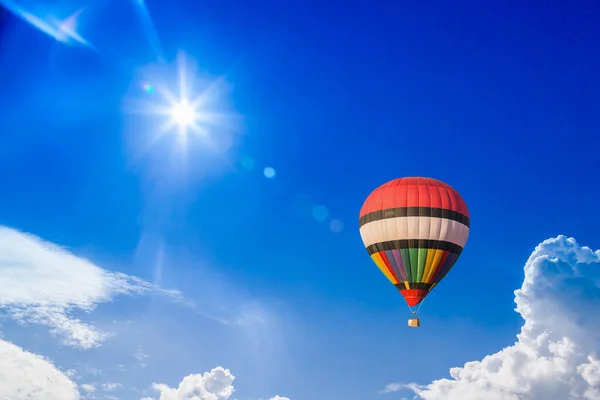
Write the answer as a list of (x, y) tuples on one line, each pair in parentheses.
[(26, 375), (44, 284), (214, 385), (556, 354)]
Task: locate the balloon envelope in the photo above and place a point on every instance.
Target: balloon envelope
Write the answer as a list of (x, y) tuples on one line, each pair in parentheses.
[(414, 229)]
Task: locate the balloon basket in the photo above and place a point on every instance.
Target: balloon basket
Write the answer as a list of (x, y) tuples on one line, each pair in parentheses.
[(414, 322)]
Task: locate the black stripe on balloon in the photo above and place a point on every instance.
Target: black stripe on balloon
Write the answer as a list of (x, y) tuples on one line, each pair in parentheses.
[(414, 286), (414, 212), (414, 244)]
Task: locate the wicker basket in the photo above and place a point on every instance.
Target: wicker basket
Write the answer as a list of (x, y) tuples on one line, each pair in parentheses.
[(414, 322)]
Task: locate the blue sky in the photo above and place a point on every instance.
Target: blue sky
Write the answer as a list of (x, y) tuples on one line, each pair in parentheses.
[(497, 99)]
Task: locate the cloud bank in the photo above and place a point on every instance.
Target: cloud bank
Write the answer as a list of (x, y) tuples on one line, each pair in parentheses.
[(25, 375), (556, 355), (44, 284)]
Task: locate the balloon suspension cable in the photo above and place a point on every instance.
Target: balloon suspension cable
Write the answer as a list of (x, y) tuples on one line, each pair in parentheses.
[(415, 313), (420, 306)]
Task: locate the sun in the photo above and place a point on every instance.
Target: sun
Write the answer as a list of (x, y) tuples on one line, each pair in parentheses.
[(184, 114), (189, 109)]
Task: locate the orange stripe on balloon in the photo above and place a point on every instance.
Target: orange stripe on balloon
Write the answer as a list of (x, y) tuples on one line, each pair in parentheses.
[(381, 265)]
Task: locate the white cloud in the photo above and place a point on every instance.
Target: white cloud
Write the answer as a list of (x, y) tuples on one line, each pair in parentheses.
[(88, 387), (25, 375), (111, 386), (556, 353), (43, 284), (391, 388), (71, 373), (140, 355), (214, 385)]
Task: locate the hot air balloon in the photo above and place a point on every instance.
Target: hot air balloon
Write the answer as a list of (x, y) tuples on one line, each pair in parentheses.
[(414, 229)]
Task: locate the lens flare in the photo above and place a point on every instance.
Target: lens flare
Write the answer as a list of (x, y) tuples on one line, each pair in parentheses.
[(336, 225), (269, 173), (37, 15), (148, 88), (320, 213)]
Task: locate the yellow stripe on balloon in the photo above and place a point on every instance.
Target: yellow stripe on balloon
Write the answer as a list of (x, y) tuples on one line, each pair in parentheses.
[(381, 264), (428, 262), (434, 264)]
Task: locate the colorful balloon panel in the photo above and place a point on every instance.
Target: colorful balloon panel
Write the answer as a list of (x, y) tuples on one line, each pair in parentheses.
[(414, 229)]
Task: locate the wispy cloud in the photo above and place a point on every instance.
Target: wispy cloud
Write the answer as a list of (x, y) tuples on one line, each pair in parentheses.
[(392, 388), (45, 284), (111, 386)]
